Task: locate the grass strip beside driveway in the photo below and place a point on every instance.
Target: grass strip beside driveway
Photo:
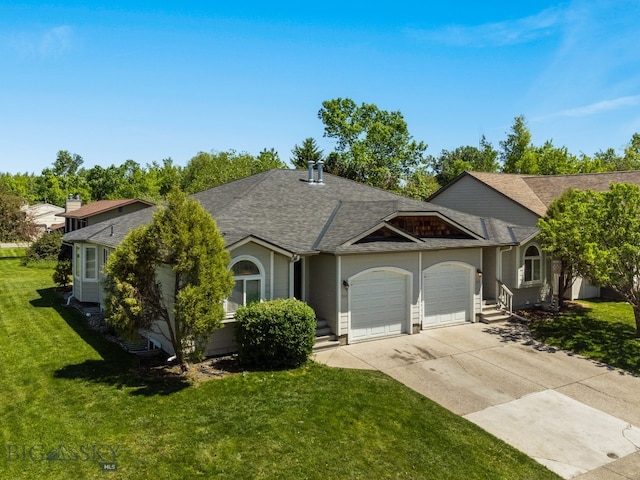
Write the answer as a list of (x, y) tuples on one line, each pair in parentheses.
[(73, 403), (601, 330)]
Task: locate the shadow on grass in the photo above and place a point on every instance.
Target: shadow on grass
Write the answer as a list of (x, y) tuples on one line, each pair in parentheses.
[(610, 342), (117, 367)]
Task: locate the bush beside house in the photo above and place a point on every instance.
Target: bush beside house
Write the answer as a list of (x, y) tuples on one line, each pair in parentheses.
[(45, 247), (275, 334)]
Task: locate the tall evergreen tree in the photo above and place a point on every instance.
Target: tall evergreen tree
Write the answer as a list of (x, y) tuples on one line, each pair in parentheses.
[(305, 153), (183, 247)]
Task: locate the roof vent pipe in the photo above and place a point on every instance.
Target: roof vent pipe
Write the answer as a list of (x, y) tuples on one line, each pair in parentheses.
[(311, 172), (320, 168)]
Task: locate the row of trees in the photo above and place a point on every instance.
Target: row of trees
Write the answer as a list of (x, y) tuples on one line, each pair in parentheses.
[(372, 146), (132, 180)]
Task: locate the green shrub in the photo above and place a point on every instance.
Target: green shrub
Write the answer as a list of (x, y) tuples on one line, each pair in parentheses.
[(62, 274), (275, 334), (46, 247)]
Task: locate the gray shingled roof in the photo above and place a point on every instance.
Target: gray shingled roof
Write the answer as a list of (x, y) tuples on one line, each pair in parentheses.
[(282, 208)]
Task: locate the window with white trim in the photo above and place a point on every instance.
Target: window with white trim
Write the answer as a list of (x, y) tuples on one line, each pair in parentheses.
[(532, 265), (90, 263), (249, 286), (78, 266)]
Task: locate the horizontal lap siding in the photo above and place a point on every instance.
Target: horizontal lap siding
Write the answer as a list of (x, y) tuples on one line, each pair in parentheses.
[(281, 276), (321, 292), (472, 196)]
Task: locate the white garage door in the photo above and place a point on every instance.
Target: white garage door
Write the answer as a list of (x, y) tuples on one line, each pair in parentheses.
[(447, 294), (379, 304)]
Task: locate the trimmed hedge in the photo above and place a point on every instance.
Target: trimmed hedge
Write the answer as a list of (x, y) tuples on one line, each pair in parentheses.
[(275, 334)]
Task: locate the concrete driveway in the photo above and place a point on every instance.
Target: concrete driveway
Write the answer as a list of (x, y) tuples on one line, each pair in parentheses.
[(575, 416)]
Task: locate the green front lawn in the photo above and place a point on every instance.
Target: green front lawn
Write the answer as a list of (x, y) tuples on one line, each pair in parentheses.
[(70, 400), (601, 330)]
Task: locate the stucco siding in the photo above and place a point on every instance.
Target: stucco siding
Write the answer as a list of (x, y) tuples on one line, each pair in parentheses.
[(465, 195)]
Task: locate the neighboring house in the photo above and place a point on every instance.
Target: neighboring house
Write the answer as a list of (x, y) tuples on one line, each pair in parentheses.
[(44, 216), (78, 216), (369, 262), (523, 199)]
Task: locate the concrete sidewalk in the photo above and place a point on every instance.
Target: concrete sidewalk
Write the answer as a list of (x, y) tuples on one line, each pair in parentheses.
[(577, 417)]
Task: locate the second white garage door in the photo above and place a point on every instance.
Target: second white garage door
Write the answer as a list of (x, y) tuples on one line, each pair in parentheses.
[(379, 304), (447, 294)]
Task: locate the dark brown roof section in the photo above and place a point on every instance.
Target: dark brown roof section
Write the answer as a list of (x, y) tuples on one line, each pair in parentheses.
[(549, 188), (536, 192), (102, 206)]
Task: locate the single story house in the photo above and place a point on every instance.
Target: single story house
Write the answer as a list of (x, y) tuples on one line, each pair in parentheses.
[(523, 199), (369, 262)]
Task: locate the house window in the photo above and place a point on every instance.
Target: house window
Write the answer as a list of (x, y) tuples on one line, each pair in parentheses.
[(249, 287), (78, 269), (90, 263), (532, 265), (105, 256)]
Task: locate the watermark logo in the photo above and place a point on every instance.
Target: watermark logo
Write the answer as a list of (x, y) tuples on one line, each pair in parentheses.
[(106, 456)]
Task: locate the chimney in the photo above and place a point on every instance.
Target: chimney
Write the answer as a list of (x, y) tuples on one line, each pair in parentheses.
[(72, 203), (320, 169), (311, 164)]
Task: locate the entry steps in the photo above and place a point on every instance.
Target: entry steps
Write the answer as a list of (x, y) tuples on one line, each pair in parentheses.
[(492, 313), (324, 337)]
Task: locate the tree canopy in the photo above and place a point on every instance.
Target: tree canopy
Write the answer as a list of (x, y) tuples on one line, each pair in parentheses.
[(564, 232), (373, 146), (182, 242), (598, 235), (15, 224), (207, 170), (450, 164)]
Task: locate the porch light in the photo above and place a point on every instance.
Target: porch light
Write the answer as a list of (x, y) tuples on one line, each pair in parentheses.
[(345, 284), (479, 273)]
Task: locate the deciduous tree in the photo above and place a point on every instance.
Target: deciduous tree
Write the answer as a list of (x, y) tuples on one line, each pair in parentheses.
[(450, 164), (183, 241), (207, 170), (373, 146), (607, 249), (563, 235), (15, 224)]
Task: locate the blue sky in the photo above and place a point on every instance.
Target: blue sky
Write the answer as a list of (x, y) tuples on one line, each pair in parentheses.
[(149, 80)]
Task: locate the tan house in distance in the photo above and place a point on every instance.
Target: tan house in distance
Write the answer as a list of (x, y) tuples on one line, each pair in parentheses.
[(523, 199)]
